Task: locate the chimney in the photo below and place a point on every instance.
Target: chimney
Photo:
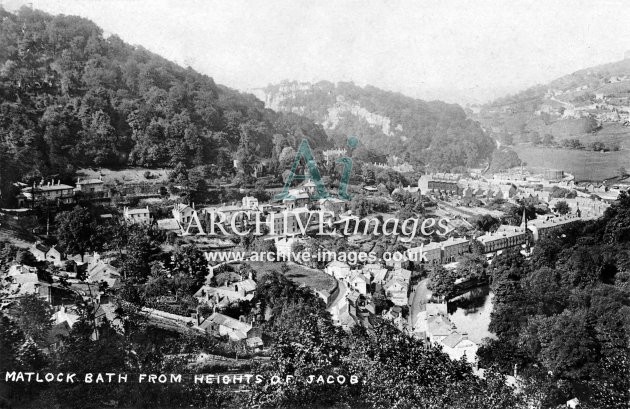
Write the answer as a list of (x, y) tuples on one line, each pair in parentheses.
[(196, 316)]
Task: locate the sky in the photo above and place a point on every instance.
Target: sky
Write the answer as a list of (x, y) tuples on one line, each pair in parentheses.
[(453, 50)]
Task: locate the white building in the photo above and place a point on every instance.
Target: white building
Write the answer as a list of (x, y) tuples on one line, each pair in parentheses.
[(338, 269), (139, 215)]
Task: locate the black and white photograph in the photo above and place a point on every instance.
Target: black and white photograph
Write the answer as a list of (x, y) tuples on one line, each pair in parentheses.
[(344, 204)]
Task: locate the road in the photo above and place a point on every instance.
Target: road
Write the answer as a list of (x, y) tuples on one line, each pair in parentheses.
[(418, 300), (340, 296)]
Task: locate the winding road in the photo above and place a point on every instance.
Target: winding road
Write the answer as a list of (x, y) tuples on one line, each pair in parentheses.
[(421, 295)]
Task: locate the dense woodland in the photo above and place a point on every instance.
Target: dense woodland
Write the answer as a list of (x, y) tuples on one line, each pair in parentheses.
[(70, 98), (434, 133), (563, 318), (393, 369)]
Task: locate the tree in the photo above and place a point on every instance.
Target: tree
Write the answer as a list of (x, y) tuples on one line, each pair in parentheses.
[(26, 257), (548, 139), (190, 263), (75, 229), (504, 159), (514, 215), (566, 343), (11, 337), (534, 138), (597, 146), (486, 223), (572, 143), (34, 317), (442, 282), (472, 266), (140, 248), (562, 207)]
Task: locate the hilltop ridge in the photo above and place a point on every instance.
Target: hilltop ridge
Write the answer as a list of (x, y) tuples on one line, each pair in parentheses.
[(579, 122), (432, 133)]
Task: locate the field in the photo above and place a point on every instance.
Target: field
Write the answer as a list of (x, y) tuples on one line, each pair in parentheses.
[(129, 175), (301, 275), (584, 165), (610, 133)]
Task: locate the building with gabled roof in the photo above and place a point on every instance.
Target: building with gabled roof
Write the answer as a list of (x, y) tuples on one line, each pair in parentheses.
[(547, 226), (89, 185), (49, 192), (137, 215), (183, 213), (505, 237), (221, 325), (104, 272), (42, 252), (396, 291), (402, 274), (457, 345), (358, 282), (338, 269), (453, 248), (227, 294), (439, 327)]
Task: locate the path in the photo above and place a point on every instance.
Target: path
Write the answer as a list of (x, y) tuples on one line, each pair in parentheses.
[(340, 296), (418, 300)]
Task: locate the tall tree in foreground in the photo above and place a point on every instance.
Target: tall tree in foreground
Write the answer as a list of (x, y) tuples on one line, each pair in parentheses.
[(75, 229)]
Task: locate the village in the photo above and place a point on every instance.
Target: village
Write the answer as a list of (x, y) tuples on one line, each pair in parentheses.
[(392, 284)]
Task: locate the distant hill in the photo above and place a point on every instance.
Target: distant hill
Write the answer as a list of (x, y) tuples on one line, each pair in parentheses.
[(434, 133), (579, 122), (69, 98), (586, 101)]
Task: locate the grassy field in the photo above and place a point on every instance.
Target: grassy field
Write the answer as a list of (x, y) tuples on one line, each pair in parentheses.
[(610, 132), (584, 165), (16, 238), (130, 175), (312, 278)]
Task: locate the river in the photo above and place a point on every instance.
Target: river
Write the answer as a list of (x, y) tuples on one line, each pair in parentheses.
[(470, 312)]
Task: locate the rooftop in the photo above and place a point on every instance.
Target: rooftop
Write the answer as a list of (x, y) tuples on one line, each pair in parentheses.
[(226, 321)]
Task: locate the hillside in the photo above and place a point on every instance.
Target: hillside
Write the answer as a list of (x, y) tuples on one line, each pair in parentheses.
[(584, 116), (594, 100), (70, 97), (432, 133)]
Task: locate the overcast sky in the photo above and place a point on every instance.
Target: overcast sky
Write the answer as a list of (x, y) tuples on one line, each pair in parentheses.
[(458, 51)]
